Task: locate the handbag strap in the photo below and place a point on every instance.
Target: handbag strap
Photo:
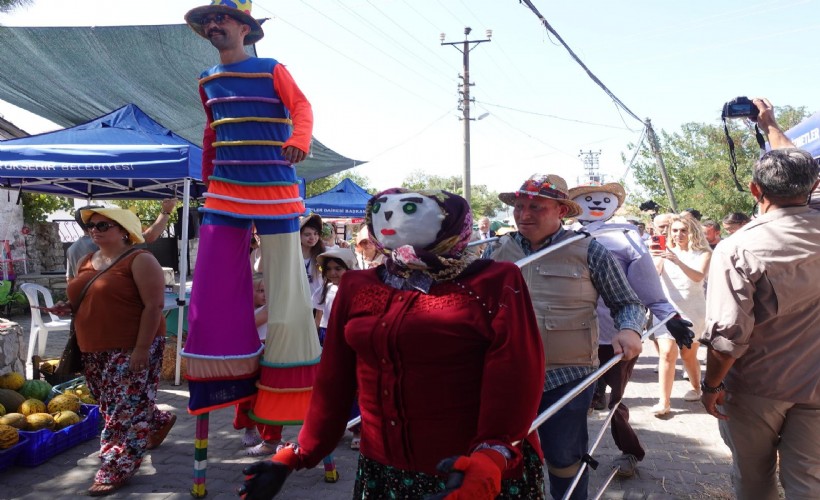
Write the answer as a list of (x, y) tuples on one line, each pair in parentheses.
[(87, 285)]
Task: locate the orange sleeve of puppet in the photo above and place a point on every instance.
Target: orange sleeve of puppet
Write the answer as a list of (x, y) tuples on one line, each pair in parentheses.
[(208, 138), (301, 113)]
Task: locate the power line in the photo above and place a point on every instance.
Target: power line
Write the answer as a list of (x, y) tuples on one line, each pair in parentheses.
[(350, 58), (577, 59), (553, 116)]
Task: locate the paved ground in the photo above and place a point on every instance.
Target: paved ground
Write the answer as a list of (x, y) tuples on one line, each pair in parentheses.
[(686, 458)]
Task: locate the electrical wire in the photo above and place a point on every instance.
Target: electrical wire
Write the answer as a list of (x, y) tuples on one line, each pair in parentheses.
[(410, 138), (555, 116), (350, 58), (578, 60), (635, 154)]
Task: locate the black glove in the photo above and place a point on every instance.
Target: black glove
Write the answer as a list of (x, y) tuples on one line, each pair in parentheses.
[(263, 480), (679, 328), (455, 478)]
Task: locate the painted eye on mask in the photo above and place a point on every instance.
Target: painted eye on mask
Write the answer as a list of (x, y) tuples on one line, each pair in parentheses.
[(376, 207), (588, 198), (409, 208), (607, 200)]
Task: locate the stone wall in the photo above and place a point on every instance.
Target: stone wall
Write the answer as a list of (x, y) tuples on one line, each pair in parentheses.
[(12, 350), (44, 248)]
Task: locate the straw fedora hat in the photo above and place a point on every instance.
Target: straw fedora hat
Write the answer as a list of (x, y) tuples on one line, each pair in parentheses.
[(238, 9), (611, 187), (124, 218), (346, 255), (549, 186)]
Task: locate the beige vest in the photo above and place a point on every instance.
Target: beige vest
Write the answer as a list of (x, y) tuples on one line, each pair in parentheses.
[(564, 300)]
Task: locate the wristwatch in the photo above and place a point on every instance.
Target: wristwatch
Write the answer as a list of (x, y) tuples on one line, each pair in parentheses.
[(166, 213), (711, 390)]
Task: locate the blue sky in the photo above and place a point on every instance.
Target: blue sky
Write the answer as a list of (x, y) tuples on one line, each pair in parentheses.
[(383, 89)]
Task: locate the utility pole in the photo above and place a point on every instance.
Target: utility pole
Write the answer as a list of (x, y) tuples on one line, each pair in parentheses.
[(464, 102), (590, 159), (656, 150)]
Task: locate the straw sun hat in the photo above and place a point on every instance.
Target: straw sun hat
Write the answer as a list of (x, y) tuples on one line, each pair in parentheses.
[(124, 218)]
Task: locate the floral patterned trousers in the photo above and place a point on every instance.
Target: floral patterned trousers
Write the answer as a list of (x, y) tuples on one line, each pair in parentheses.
[(128, 406)]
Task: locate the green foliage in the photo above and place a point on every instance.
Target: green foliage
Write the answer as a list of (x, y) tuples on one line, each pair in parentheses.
[(482, 200), (146, 210), (697, 161), (9, 5), (36, 207), (319, 186)]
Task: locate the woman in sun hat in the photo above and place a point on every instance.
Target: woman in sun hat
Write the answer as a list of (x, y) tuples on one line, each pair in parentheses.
[(121, 332)]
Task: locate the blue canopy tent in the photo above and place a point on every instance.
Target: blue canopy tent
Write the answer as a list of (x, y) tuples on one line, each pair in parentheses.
[(346, 199), (122, 155), (806, 134)]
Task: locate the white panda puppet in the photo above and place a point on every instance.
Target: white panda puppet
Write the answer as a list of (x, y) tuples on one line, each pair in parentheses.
[(598, 204)]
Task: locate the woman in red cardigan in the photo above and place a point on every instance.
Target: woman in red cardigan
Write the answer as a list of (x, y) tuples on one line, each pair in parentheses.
[(445, 352)]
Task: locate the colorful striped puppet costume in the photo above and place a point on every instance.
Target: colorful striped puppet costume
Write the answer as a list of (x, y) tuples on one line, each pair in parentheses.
[(255, 113)]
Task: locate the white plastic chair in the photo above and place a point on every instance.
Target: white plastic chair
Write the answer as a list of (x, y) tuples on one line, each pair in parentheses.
[(40, 328)]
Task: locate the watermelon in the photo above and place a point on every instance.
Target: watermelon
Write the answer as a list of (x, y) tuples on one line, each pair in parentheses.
[(35, 389)]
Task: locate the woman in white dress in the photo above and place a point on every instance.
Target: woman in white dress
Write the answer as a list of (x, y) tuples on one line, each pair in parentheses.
[(683, 267)]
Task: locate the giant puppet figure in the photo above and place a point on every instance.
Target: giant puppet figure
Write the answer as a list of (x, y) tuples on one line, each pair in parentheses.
[(258, 125), (598, 204), (446, 356)]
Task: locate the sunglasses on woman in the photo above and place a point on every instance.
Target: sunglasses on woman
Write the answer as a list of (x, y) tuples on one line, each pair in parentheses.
[(101, 226)]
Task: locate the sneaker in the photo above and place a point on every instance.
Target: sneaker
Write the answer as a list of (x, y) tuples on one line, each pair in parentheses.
[(251, 437), (262, 449), (626, 465), (691, 395)]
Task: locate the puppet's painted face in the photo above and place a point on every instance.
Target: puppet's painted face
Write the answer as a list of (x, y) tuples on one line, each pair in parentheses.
[(405, 219), (596, 206)]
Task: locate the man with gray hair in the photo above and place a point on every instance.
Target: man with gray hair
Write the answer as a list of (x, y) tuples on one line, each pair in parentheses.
[(762, 376)]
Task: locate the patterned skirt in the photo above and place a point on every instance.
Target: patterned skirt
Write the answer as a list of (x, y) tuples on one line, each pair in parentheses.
[(376, 481)]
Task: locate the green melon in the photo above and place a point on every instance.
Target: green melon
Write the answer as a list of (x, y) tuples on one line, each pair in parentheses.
[(35, 389), (11, 400), (64, 419)]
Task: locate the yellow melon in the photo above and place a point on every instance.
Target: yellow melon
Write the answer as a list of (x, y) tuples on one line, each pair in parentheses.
[(32, 406), (2, 410), (8, 436), (16, 420), (64, 419), (39, 421), (63, 402), (12, 381)]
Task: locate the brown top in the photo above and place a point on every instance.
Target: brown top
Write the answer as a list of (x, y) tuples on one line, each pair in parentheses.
[(763, 305), (109, 316)]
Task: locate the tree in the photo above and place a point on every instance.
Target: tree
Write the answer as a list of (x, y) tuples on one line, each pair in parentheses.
[(36, 207), (697, 161), (319, 186), (146, 210), (483, 202), (9, 5)]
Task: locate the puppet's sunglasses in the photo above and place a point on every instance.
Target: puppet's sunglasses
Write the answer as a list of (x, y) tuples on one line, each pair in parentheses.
[(101, 226)]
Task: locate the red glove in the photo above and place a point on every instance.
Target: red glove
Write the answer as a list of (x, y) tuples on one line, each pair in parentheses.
[(477, 477), (263, 480)]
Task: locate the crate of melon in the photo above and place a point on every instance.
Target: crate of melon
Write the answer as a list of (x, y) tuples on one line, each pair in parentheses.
[(45, 443), (8, 456)]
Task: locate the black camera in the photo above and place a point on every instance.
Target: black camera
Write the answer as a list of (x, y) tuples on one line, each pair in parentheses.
[(740, 107)]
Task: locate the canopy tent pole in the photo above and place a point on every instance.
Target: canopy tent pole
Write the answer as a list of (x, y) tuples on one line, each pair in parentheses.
[(183, 275)]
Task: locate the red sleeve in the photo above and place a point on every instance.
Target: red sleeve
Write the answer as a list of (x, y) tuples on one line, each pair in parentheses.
[(513, 378), (335, 385), (208, 138), (300, 110)]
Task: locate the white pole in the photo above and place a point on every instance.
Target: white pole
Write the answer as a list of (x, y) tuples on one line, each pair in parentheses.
[(183, 274)]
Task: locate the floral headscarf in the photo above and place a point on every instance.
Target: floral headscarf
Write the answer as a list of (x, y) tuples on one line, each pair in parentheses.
[(441, 259)]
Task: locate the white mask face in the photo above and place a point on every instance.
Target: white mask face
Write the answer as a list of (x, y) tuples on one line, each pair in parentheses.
[(401, 219), (596, 206)]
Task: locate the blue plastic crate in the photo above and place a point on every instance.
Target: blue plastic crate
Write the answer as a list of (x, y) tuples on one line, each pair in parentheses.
[(59, 388), (9, 456), (44, 444)]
